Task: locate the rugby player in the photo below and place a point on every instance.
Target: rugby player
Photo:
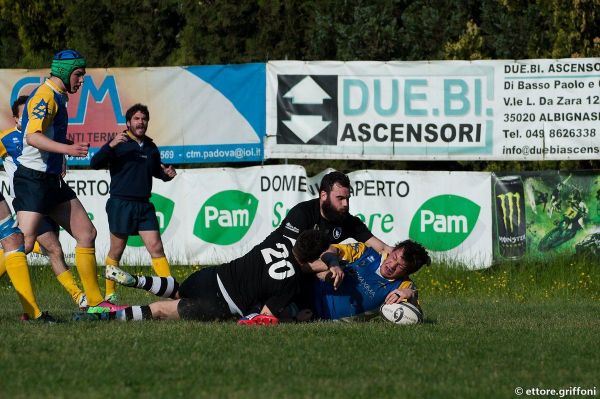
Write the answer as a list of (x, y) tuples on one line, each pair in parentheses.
[(255, 287), (13, 261), (133, 159), (11, 144), (329, 213), (38, 184), (372, 278)]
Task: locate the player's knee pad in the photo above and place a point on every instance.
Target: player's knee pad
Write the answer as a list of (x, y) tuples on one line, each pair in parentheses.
[(8, 227)]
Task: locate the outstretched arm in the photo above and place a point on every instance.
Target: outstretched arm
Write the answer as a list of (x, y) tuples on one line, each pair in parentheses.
[(378, 245)]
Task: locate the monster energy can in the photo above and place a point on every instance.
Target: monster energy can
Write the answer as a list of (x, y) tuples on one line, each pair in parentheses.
[(510, 214)]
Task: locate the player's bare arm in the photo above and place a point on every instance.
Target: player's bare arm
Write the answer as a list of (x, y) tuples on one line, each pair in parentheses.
[(334, 272), (400, 295), (44, 143), (379, 245)]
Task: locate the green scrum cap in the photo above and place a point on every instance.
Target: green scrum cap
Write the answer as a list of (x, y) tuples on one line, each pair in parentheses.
[(64, 63)]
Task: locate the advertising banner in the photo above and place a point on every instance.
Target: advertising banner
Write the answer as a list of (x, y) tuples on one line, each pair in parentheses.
[(542, 214), (434, 110), (210, 216), (197, 113), (448, 212)]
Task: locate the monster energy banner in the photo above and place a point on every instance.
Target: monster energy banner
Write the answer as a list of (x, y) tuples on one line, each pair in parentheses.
[(544, 213)]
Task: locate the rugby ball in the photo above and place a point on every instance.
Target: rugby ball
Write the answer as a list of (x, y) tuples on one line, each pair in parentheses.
[(401, 313)]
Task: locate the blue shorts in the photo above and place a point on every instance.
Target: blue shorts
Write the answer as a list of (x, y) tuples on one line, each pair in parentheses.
[(127, 217), (39, 192)]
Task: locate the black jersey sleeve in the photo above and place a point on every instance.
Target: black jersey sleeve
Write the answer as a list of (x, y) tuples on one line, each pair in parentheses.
[(101, 159), (359, 231), (297, 220)]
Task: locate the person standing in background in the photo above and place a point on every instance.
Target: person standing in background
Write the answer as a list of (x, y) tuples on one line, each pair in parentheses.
[(133, 160)]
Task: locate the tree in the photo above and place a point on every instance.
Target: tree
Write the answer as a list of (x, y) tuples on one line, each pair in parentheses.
[(215, 32), (427, 26), (40, 29), (144, 33), (90, 35), (355, 30)]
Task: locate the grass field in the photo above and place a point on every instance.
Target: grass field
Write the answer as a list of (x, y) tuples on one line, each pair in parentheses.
[(529, 325)]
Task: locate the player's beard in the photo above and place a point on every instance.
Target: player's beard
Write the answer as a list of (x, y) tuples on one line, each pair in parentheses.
[(332, 214)]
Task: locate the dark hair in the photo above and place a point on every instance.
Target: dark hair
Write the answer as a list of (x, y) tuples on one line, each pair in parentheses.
[(310, 245), (414, 254), (137, 108), (332, 178), (15, 105)]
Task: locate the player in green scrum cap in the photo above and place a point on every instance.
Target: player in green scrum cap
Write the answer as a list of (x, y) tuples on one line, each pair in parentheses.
[(39, 187)]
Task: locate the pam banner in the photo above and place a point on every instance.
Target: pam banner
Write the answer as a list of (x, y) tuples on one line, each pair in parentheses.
[(542, 214), (197, 113), (210, 216), (448, 212), (438, 110)]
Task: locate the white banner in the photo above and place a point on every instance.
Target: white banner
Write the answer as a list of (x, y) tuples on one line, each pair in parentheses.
[(210, 216), (438, 110), (448, 212)]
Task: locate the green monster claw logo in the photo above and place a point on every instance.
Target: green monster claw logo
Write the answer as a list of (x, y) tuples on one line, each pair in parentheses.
[(513, 200), (444, 222), (226, 217), (164, 211)]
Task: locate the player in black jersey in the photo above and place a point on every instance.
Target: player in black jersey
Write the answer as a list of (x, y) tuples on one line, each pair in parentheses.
[(330, 214), (262, 281)]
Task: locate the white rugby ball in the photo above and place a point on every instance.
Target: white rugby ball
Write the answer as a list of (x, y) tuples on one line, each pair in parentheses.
[(401, 313)]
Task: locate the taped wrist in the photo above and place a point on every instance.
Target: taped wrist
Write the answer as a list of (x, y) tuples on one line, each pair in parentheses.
[(330, 259)]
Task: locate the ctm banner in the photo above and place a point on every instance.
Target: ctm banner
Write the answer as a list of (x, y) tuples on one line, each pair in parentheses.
[(434, 110), (197, 113), (210, 216)]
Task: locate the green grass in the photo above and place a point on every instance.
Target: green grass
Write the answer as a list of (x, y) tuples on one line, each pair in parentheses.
[(485, 333)]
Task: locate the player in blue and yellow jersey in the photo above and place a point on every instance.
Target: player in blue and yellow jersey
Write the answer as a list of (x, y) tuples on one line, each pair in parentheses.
[(370, 279), (133, 160), (13, 260), (39, 187), (11, 145)]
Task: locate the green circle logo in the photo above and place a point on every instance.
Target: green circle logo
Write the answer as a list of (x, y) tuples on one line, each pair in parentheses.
[(444, 222), (226, 217)]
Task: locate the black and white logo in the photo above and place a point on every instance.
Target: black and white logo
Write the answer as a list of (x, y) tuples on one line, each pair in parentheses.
[(307, 109), (337, 233)]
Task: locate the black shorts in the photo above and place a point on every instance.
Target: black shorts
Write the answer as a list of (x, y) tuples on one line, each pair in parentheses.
[(201, 298), (2, 197), (47, 224), (127, 217), (39, 192)]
